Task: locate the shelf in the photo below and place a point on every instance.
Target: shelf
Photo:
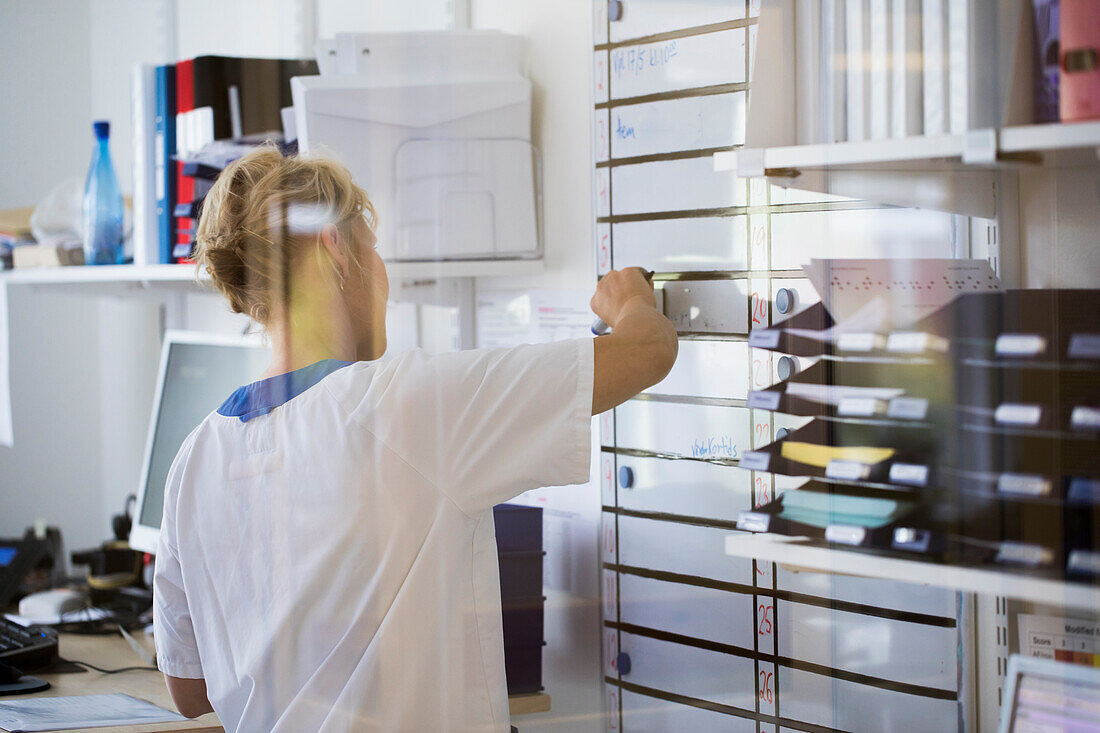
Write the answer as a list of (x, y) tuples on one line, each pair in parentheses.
[(1058, 145), (799, 553), (125, 278)]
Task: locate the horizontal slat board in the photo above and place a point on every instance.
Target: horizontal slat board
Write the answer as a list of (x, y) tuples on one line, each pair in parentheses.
[(648, 17), (690, 431), (691, 123), (708, 369), (717, 243), (819, 700), (685, 549), (890, 649), (644, 714), (698, 673), (681, 63), (688, 488), (677, 608), (674, 185)]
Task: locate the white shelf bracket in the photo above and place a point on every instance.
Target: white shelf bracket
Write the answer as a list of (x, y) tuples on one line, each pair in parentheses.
[(980, 147), (750, 163)]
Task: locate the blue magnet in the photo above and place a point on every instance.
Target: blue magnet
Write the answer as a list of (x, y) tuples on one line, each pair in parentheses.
[(626, 476)]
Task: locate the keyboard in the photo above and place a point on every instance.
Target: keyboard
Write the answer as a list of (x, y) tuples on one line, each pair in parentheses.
[(29, 648)]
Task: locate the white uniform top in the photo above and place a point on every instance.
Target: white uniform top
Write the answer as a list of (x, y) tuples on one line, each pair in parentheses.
[(328, 559)]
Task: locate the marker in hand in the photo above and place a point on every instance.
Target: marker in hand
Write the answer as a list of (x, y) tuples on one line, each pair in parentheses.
[(599, 328)]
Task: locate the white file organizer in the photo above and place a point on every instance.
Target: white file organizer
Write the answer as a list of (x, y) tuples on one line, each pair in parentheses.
[(460, 145), (476, 198)]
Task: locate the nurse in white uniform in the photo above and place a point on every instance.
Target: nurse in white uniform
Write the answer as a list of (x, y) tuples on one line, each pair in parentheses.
[(327, 559)]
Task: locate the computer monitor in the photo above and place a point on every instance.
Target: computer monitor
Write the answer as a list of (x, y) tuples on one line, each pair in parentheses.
[(1044, 695), (197, 373)]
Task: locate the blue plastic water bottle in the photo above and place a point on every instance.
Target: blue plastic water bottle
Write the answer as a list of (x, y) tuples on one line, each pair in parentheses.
[(102, 204)]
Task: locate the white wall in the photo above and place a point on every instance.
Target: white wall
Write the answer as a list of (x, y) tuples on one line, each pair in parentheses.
[(45, 85), (82, 369), (558, 39)]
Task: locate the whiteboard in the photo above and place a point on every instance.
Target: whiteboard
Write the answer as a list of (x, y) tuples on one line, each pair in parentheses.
[(885, 648), (834, 703), (691, 431), (647, 17), (684, 670), (642, 714), (674, 185), (673, 547), (717, 369), (684, 487), (690, 610), (718, 243), (676, 73), (679, 63), (689, 123)]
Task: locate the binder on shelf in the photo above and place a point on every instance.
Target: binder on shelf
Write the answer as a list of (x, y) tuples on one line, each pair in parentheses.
[(808, 76), (834, 96), (165, 150), (143, 107), (907, 82), (857, 35), (934, 40), (1047, 61), (222, 98), (974, 102), (878, 24)]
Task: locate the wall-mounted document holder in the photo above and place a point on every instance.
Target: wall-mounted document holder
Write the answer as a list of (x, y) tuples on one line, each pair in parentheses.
[(458, 149), (467, 198)]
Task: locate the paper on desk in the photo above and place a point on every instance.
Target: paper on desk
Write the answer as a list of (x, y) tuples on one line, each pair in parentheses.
[(906, 290), (69, 617), (6, 434), (80, 711)]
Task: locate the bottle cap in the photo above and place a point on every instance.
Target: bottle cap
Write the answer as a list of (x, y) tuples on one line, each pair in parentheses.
[(102, 129)]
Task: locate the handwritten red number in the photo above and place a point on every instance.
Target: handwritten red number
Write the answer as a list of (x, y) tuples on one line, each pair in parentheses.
[(765, 686), (763, 495), (764, 611)]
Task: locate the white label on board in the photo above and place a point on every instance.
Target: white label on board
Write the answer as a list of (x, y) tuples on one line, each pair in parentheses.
[(908, 408), (1011, 413), (845, 534), (859, 406), (857, 341), (1084, 561), (1084, 346), (1020, 344), (1023, 484), (754, 521), (1024, 554), (763, 400), (1085, 417), (764, 338), (755, 460), (911, 474), (847, 470)]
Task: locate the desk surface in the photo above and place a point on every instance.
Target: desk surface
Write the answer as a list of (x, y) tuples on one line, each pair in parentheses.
[(112, 652)]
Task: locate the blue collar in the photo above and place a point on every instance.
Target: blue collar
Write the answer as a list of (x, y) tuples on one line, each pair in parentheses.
[(260, 398)]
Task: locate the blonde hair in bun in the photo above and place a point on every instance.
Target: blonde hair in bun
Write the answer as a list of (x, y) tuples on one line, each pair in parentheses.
[(263, 212)]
